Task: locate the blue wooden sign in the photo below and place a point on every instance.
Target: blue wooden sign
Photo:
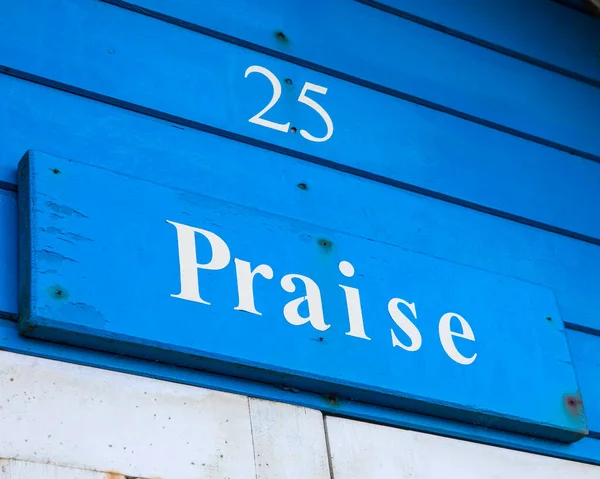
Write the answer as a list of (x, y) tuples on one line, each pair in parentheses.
[(117, 263)]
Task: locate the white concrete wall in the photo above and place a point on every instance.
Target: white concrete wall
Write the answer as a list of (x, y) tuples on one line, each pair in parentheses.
[(63, 421)]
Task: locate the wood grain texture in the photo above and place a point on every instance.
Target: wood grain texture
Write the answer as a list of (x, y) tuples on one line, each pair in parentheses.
[(368, 451), (289, 441)]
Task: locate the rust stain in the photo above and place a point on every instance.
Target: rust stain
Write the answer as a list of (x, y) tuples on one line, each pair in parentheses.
[(118, 475), (114, 475), (574, 404)]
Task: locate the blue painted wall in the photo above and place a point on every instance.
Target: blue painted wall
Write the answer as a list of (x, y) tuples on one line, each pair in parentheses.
[(490, 111)]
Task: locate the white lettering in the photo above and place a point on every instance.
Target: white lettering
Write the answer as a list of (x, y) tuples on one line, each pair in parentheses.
[(446, 337), (307, 308), (188, 264), (313, 301), (245, 283), (357, 327), (405, 324)]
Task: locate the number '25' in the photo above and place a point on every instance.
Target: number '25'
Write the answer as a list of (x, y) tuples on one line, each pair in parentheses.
[(257, 119)]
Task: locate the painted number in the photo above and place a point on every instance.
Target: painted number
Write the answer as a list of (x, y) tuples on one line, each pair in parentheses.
[(276, 94), (303, 98)]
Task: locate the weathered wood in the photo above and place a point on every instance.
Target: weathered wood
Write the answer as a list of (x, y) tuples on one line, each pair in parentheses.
[(95, 419), (79, 224), (289, 441)]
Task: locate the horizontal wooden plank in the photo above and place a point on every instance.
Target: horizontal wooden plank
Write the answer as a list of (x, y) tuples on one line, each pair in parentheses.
[(42, 118), (377, 49), (369, 451), (8, 253), (422, 149), (585, 349), (540, 30), (73, 245), (586, 450), (151, 149)]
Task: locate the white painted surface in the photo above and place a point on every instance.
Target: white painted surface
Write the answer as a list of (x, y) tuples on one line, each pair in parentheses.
[(76, 416), (14, 469), (95, 419), (367, 451), (289, 441)]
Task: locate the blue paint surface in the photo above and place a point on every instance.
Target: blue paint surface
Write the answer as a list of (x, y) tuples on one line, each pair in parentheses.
[(429, 65), (585, 349), (8, 253), (539, 31), (122, 54), (155, 70), (542, 31), (441, 154), (81, 224), (33, 116)]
